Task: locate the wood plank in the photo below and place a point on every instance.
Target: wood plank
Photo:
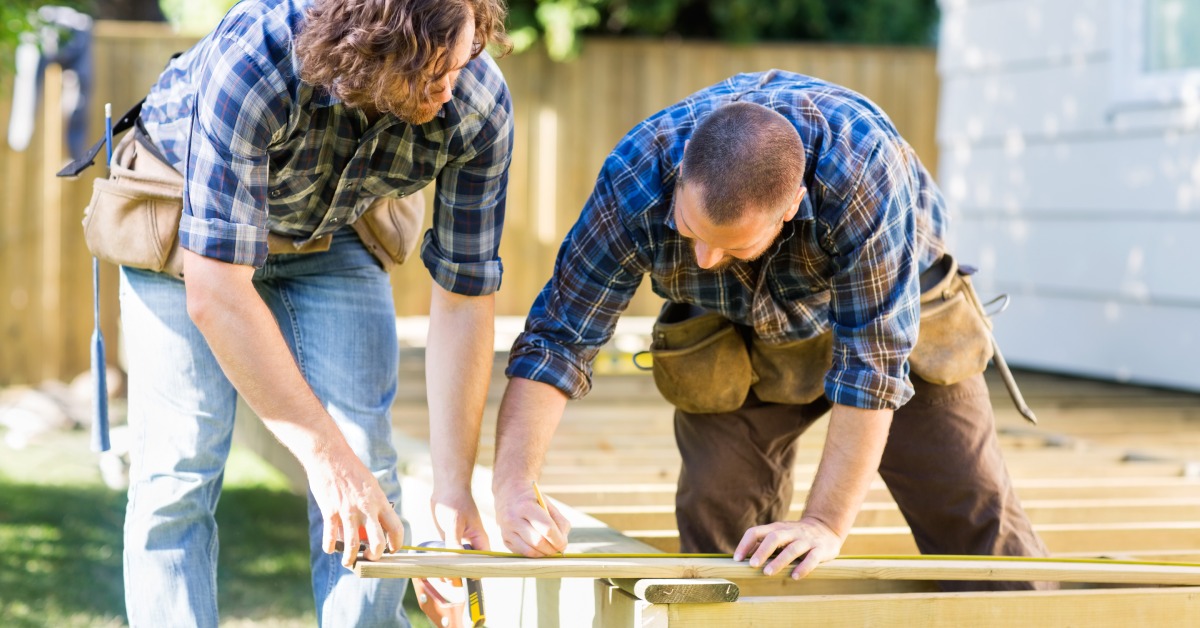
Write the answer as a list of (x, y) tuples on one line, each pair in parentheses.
[(585, 496), (888, 514), (1002, 609), (616, 608), (759, 587), (652, 473), (459, 566), (51, 209), (679, 590), (1098, 538)]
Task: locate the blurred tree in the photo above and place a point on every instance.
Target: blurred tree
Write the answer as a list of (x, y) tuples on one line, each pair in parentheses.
[(195, 17), (20, 16), (560, 22)]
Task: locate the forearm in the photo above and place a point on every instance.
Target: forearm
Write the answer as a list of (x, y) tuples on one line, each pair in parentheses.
[(245, 339), (853, 448), (529, 415), (458, 366)]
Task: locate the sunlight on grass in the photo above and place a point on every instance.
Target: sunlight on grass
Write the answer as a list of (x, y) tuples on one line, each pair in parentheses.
[(61, 539)]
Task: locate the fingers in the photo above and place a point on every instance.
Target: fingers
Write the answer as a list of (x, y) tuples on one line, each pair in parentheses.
[(812, 543), (350, 541), (530, 531), (748, 543), (559, 533), (332, 533), (478, 538), (790, 552), (807, 565), (376, 539), (393, 529)]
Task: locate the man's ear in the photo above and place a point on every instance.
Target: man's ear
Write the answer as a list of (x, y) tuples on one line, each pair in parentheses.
[(791, 212)]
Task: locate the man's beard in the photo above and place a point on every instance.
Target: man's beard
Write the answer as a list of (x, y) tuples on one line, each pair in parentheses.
[(417, 114), (725, 262), (414, 110)]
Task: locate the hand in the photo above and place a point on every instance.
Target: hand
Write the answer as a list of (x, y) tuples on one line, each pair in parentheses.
[(457, 520), (526, 527), (350, 500), (793, 539)]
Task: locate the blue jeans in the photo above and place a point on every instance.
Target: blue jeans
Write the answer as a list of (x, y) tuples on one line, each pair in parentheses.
[(335, 311)]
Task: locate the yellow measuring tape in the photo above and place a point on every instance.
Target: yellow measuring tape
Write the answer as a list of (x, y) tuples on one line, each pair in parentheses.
[(930, 557)]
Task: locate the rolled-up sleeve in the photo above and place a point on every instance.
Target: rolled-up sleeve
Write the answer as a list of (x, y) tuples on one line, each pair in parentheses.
[(462, 250), (596, 274), (875, 295), (236, 112)]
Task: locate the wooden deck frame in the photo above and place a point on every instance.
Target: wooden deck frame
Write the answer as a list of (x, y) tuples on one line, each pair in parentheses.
[(1002, 609), (1125, 491)]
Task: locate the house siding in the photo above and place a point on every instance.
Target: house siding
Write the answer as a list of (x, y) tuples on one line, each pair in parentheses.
[(1085, 211)]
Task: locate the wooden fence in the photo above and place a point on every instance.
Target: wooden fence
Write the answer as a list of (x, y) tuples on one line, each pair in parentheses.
[(568, 116)]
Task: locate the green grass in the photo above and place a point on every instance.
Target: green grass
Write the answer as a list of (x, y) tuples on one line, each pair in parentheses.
[(61, 539)]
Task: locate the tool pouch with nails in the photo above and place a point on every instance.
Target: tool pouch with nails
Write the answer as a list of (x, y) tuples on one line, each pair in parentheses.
[(955, 339), (703, 364), (133, 216)]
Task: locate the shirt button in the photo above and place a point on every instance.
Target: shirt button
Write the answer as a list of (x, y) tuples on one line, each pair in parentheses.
[(276, 193), (333, 220)]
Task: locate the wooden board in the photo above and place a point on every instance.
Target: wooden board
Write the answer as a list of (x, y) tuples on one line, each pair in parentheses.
[(1046, 609), (423, 566)]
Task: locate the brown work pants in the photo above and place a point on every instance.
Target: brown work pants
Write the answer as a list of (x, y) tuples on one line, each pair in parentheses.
[(942, 464)]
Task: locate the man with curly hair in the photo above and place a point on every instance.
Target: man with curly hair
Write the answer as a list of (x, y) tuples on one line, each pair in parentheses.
[(289, 123)]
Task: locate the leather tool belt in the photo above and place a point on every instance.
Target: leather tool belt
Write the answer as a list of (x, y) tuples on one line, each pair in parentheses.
[(704, 363)]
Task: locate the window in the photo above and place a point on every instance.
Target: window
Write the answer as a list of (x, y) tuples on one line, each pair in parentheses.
[(1156, 52)]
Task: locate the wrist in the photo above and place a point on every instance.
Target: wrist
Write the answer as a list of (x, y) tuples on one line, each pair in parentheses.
[(512, 485), (841, 532)]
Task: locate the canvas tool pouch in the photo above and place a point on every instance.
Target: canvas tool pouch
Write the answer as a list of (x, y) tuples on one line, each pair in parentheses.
[(391, 228), (133, 216), (955, 340), (700, 360)]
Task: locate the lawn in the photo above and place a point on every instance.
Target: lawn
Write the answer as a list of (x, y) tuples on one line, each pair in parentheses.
[(60, 541)]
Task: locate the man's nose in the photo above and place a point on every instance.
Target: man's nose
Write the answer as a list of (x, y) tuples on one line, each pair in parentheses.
[(706, 256), (447, 90)]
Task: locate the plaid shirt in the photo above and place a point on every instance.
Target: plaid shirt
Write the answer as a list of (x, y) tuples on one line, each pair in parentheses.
[(261, 151), (871, 221)]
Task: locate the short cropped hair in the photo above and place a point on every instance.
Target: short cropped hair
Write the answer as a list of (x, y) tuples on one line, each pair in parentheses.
[(743, 157), (363, 50)]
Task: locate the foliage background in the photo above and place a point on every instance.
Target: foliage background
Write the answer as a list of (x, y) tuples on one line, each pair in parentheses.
[(558, 24)]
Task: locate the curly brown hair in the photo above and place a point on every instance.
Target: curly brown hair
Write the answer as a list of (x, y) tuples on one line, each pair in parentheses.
[(388, 53)]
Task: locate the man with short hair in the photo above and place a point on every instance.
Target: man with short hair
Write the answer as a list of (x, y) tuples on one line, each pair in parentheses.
[(790, 229), (288, 124)]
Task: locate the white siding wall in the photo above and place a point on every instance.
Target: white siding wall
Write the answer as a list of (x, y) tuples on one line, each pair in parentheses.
[(1087, 213)]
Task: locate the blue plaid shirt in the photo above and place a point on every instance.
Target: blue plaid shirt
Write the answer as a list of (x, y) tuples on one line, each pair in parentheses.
[(872, 220), (262, 151)]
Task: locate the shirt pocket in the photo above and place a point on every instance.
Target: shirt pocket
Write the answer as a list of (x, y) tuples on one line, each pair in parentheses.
[(374, 187), (293, 189)]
